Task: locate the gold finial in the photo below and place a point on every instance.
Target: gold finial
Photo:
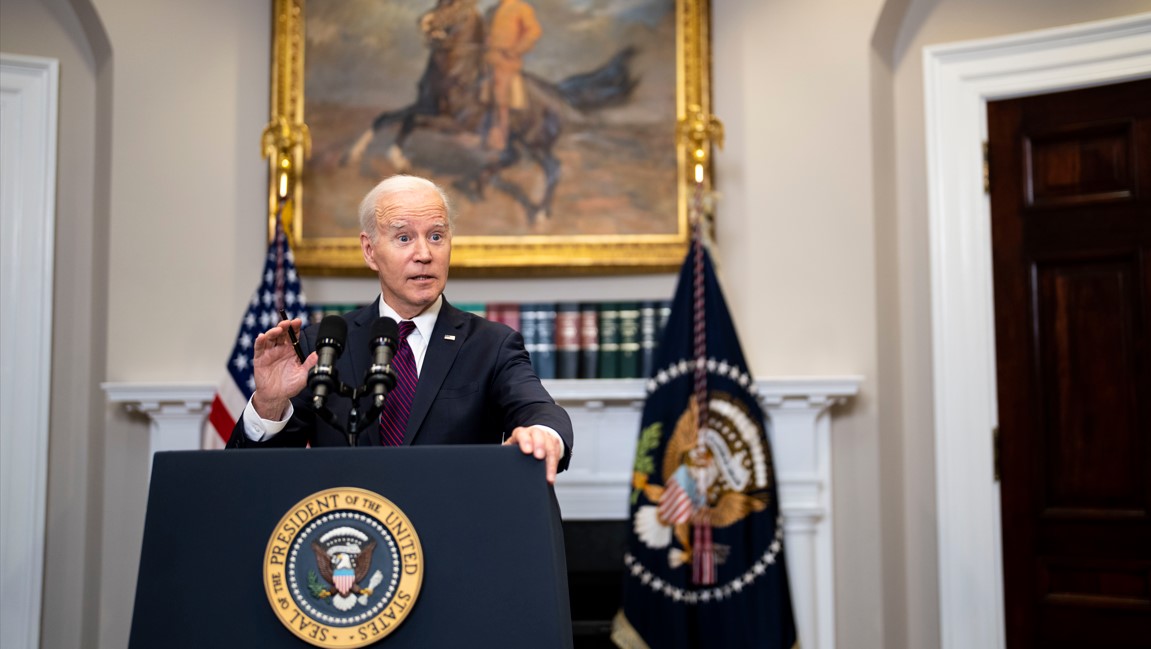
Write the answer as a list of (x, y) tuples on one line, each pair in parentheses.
[(280, 136)]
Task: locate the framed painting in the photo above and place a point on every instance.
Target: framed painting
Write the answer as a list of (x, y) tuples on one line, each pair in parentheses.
[(567, 152)]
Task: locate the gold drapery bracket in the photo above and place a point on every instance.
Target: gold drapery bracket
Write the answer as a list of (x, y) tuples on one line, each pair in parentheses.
[(281, 141), (281, 136), (285, 145), (697, 131)]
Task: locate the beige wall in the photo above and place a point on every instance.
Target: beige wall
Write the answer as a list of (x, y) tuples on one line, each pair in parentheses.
[(822, 242), (797, 239), (188, 183)]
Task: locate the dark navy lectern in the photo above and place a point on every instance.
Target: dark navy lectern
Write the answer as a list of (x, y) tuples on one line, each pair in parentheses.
[(488, 522)]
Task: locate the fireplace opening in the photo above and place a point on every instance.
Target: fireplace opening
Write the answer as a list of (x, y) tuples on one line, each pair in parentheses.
[(595, 552)]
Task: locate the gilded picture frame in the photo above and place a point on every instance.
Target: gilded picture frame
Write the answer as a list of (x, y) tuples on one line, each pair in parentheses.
[(624, 170)]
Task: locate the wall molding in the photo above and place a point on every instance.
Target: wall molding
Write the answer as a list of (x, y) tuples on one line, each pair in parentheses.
[(606, 414), (29, 94), (959, 80)]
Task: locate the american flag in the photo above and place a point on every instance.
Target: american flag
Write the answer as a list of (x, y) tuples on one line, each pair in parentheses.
[(279, 288)]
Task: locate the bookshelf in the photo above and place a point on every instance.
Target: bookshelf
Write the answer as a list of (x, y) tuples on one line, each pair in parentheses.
[(612, 339)]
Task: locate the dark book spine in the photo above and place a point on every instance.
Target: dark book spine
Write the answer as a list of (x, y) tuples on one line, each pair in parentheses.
[(629, 340), (648, 323), (662, 313), (567, 340), (546, 335), (589, 340), (316, 313), (609, 340), (527, 322)]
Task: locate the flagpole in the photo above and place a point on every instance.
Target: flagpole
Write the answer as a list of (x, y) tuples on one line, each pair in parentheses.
[(281, 244), (281, 142), (697, 132), (699, 316)]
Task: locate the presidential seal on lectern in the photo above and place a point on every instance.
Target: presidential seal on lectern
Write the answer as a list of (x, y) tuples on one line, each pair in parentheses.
[(343, 568)]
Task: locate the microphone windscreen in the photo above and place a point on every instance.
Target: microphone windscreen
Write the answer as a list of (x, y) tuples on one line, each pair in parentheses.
[(334, 330), (385, 328)]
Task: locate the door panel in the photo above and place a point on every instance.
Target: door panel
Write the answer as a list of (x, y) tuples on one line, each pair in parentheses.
[(1086, 357), (1071, 235)]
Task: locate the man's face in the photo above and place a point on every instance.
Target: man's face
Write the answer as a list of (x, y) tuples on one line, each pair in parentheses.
[(412, 250)]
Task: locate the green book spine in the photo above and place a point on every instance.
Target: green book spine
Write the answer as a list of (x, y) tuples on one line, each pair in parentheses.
[(629, 343), (609, 340), (478, 308)]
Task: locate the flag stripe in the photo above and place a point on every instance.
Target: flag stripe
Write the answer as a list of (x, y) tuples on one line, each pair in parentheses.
[(220, 419), (675, 504)]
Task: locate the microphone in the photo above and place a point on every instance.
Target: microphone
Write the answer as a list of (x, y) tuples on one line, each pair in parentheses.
[(381, 378), (329, 345)]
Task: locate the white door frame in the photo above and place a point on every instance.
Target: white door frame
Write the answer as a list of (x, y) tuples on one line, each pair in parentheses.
[(29, 91), (959, 80)]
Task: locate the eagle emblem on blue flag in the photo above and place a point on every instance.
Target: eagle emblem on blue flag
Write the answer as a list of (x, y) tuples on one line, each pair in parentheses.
[(715, 484)]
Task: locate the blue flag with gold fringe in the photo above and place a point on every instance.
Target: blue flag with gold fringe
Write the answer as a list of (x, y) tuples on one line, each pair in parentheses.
[(705, 561)]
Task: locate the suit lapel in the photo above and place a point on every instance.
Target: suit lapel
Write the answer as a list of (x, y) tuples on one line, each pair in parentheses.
[(438, 360)]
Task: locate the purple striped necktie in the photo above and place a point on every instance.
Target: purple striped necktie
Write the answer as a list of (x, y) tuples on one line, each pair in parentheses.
[(397, 407)]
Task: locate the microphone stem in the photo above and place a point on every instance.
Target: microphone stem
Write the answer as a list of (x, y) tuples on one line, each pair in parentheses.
[(354, 423)]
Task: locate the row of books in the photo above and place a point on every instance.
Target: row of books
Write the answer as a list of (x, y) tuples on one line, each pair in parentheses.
[(572, 340)]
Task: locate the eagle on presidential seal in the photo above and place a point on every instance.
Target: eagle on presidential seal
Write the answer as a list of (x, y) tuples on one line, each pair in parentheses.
[(713, 477), (344, 559)]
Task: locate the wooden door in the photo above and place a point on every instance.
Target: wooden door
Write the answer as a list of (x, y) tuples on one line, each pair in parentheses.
[(1070, 181)]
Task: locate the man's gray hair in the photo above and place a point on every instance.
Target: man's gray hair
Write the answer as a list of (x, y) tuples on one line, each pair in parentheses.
[(395, 185)]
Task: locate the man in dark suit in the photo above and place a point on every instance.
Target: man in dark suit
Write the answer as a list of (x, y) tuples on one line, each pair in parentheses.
[(475, 381)]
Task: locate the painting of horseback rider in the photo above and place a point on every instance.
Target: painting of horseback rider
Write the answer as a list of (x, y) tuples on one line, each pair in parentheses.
[(485, 114), (454, 32), (512, 32)]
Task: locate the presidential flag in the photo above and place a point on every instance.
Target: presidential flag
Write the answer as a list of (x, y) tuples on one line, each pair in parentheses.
[(705, 561), (279, 288)]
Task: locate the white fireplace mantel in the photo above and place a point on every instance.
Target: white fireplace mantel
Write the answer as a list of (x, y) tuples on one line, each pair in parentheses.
[(606, 416)]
